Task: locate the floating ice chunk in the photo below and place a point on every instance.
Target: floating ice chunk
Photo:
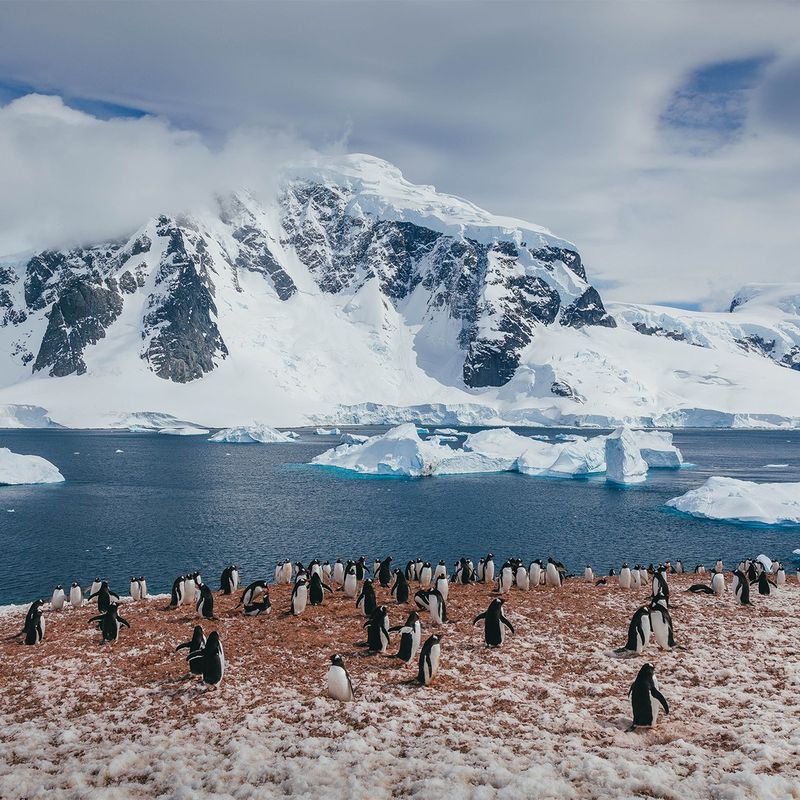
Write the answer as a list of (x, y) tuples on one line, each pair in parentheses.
[(16, 469), (327, 432), (353, 438), (448, 432), (250, 434), (657, 450), (291, 434), (744, 502), (501, 444), (437, 439), (184, 430), (624, 463), (119, 451), (580, 457)]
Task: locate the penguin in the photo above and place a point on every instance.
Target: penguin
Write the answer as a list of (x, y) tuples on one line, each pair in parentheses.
[(488, 568), (535, 573), (700, 588), (143, 592), (378, 630), (58, 598), (442, 586), (588, 574), (227, 585), (718, 583), (718, 565), (624, 579), (764, 582), (376, 565), (645, 698), (176, 597), (636, 578), (741, 588), (338, 572), (429, 658), (197, 642), (659, 584), (700, 569), (437, 607), (315, 568), (679, 567), (385, 572), (465, 571), (340, 687), (327, 572), (412, 622), (286, 571), (262, 606), (523, 581), (505, 579), (407, 649), (189, 589), (235, 577), (552, 575), (299, 596), (366, 601), (752, 572), (441, 569), (75, 595), (643, 576), (422, 599), (205, 602), (301, 574), (458, 569), (780, 576), (94, 587), (109, 623), (602, 582), (410, 572), (135, 589), (209, 660), (661, 623), (481, 570), (34, 623), (426, 575), (104, 595), (470, 572), (361, 568), (350, 585), (638, 632), (400, 587), (495, 623), (316, 589), (250, 594), (279, 572)]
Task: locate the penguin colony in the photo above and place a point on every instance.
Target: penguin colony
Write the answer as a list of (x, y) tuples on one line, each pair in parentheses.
[(206, 659)]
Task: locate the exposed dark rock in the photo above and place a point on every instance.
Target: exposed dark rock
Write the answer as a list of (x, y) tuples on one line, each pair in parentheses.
[(756, 344), (792, 358), (127, 283), (563, 389), (256, 256), (141, 245), (588, 309), (657, 330), (570, 259)]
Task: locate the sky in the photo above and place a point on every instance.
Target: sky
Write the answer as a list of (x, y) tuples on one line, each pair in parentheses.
[(661, 137)]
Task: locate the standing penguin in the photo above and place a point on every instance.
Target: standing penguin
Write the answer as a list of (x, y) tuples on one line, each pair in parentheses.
[(505, 579), (535, 573), (385, 572), (143, 593), (34, 623), (636, 578), (437, 607), (250, 594), (400, 587), (638, 632), (94, 587), (412, 622), (588, 574), (361, 568), (426, 575), (366, 601), (480, 570), (495, 623), (764, 582), (659, 584), (58, 598), (104, 595), (197, 642), (299, 597), (646, 698), (625, 577), (135, 589), (176, 597), (189, 588), (316, 589), (661, 623), (210, 660), (552, 575), (327, 572), (441, 569), (350, 586), (407, 649), (442, 586), (429, 660), (227, 583), (718, 583), (523, 581), (205, 602), (340, 687), (338, 572), (378, 630), (75, 595), (741, 588), (780, 576), (110, 623), (488, 568)]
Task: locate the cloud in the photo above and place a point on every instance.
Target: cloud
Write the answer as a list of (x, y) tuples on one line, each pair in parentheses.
[(553, 112)]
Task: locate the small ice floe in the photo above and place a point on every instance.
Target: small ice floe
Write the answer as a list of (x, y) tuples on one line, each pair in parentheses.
[(775, 466), (327, 432), (184, 430), (119, 451), (291, 434), (250, 434), (10, 510)]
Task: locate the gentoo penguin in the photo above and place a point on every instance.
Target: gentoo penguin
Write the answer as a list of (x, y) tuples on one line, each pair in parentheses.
[(523, 581), (109, 623), (143, 593), (340, 687), (764, 582), (75, 595), (327, 572), (378, 630), (338, 572), (636, 578), (644, 577), (301, 574), (210, 660), (466, 571), (58, 598), (299, 596), (426, 575), (488, 568), (457, 570), (645, 698), (442, 586), (553, 576), (700, 588), (412, 622), (659, 585), (227, 583), (429, 660), (505, 579), (437, 607), (376, 565), (481, 570), (189, 588), (279, 572), (385, 572), (135, 590), (588, 574), (34, 623), (249, 595), (718, 565), (699, 569), (314, 568), (176, 597), (198, 642), (752, 571), (661, 623), (441, 569), (400, 587), (718, 583), (104, 597), (638, 632), (94, 587), (286, 571), (535, 573), (422, 599), (361, 568), (407, 650), (316, 589), (205, 602), (494, 624), (741, 588), (410, 572), (625, 577), (366, 602), (780, 576), (261, 606), (350, 586)]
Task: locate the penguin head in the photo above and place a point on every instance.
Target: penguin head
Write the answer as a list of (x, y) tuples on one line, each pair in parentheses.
[(337, 660), (647, 671), (59, 586)]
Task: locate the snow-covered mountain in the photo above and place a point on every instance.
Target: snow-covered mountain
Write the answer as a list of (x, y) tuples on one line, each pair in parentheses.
[(353, 291)]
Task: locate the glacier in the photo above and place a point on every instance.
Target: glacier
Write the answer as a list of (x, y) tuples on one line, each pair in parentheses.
[(744, 502), (16, 469)]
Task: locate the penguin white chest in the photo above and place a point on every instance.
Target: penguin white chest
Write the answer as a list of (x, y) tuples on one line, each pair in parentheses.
[(338, 684)]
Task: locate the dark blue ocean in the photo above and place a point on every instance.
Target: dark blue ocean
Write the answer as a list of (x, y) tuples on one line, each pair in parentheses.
[(169, 504)]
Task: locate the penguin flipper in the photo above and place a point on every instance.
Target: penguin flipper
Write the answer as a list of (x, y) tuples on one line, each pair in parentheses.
[(184, 646), (95, 619), (123, 622), (507, 624), (661, 699), (478, 618)]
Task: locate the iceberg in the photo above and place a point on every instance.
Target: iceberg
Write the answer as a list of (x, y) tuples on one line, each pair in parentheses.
[(291, 434), (624, 462), (447, 432), (327, 431), (184, 430), (250, 434), (353, 438), (743, 502), (657, 450), (16, 469)]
